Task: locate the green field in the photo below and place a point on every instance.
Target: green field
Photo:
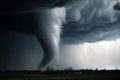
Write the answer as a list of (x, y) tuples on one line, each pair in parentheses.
[(60, 75)]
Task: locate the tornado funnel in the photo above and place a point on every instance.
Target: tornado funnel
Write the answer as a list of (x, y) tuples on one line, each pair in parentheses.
[(48, 34)]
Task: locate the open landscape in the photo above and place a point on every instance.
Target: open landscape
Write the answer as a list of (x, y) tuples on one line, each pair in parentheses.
[(61, 75)]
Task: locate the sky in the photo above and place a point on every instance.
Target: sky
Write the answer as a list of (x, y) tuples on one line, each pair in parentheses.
[(59, 33), (101, 55)]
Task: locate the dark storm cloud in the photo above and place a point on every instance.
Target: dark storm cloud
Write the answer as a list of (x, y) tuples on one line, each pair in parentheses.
[(87, 20), (90, 32), (92, 21), (21, 6), (24, 5)]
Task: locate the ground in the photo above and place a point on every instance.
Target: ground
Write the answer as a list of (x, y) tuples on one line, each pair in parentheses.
[(61, 75)]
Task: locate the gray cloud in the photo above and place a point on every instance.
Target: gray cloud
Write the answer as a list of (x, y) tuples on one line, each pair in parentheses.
[(23, 6), (91, 21), (86, 20)]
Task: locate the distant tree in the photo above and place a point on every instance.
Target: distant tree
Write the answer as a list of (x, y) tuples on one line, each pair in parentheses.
[(69, 69), (96, 69)]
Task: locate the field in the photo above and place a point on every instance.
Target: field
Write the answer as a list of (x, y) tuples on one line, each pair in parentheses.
[(61, 75)]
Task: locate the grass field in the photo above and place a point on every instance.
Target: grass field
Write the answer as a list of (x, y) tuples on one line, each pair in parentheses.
[(60, 75)]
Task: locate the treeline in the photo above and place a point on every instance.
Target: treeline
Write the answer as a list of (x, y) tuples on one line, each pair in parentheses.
[(70, 70)]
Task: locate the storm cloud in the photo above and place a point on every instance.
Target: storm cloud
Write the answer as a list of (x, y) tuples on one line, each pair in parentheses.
[(91, 21), (86, 20)]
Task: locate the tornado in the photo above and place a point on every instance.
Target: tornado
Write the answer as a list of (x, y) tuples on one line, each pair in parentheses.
[(48, 33)]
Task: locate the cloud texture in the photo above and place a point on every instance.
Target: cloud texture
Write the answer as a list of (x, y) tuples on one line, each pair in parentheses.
[(91, 21)]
